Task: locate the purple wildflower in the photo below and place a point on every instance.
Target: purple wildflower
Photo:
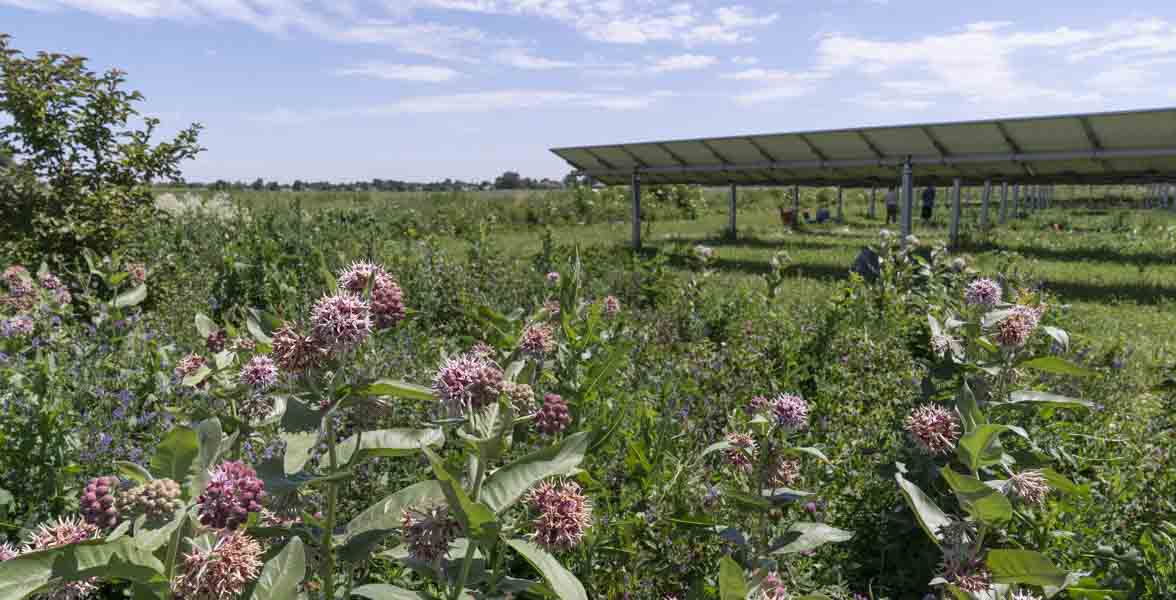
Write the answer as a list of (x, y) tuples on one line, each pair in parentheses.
[(564, 514), (19, 326), (1014, 330), (232, 493), (553, 278), (98, 503), (428, 530), (933, 428), (553, 417), (259, 373), (741, 451), (189, 365), (341, 321), (294, 352), (1030, 486), (983, 292), (537, 341), (468, 381), (791, 411), (221, 572), (612, 306)]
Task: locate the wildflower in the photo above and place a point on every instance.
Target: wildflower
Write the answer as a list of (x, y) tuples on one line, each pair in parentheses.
[(15, 275), (62, 532), (341, 321), (553, 278), (189, 365), (791, 411), (158, 499), (215, 342), (221, 572), (1014, 330), (387, 299), (255, 407), (784, 473), (8, 552), (537, 341), (564, 514), (294, 352), (232, 493), (19, 326), (553, 417), (138, 272), (522, 397), (49, 281), (62, 296), (741, 451), (933, 428), (772, 588), (428, 531), (612, 306), (244, 344), (468, 381), (1023, 595), (359, 275), (98, 502), (21, 300), (482, 349), (940, 345), (757, 405), (961, 566), (551, 305), (982, 292), (1030, 486), (259, 373)]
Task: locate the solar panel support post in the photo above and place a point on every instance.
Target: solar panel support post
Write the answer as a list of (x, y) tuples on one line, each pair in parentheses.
[(1016, 200), (987, 194), (636, 211), (908, 199), (954, 230), (1004, 202), (1169, 195), (873, 211), (731, 207), (795, 205), (840, 204)]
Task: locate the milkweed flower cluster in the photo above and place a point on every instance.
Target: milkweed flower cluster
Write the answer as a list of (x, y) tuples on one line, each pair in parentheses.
[(758, 405), (1014, 330), (784, 473), (221, 572), (740, 451), (189, 365), (8, 552), (1030, 486), (982, 292), (157, 499), (341, 321), (62, 532), (428, 530), (387, 299), (961, 566), (772, 588), (791, 411), (20, 326), (537, 341), (138, 272), (216, 341), (522, 397), (553, 417), (295, 352), (259, 374), (15, 275), (933, 428), (612, 306), (232, 493), (564, 514), (468, 381), (553, 278), (99, 502)]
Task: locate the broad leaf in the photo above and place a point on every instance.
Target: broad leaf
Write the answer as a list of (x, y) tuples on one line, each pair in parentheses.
[(1057, 366), (388, 442), (561, 581), (732, 584), (809, 450), (1046, 399), (398, 389), (1062, 484), (981, 446), (1059, 335), (509, 483), (476, 519), (132, 471), (803, 536), (983, 502), (204, 325), (931, 518), (299, 447), (300, 417), (968, 409), (175, 455), (281, 575), (209, 437), (384, 591), (1024, 567), (715, 447), (131, 297), (388, 514), (153, 539), (26, 573)]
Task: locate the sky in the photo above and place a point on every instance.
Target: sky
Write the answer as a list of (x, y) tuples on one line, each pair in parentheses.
[(421, 90)]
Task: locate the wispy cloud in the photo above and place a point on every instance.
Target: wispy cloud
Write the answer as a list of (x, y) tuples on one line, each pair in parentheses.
[(524, 59), (399, 72), (683, 62)]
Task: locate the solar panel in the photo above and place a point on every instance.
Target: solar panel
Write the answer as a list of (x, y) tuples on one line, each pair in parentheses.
[(1112, 147)]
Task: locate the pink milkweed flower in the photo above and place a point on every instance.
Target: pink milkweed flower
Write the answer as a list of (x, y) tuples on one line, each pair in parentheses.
[(1014, 330), (933, 428), (138, 272), (791, 411), (260, 373), (564, 515), (537, 341), (553, 417), (468, 381), (294, 352), (784, 473), (220, 573), (612, 306), (8, 552), (62, 532), (741, 451), (233, 492), (189, 365), (982, 292), (1030, 486), (772, 588), (342, 321), (428, 530), (553, 278), (386, 298)]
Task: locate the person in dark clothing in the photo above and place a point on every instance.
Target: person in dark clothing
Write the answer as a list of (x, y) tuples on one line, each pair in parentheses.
[(928, 202)]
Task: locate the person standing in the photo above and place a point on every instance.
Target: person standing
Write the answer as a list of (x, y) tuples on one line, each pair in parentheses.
[(891, 205), (928, 203)]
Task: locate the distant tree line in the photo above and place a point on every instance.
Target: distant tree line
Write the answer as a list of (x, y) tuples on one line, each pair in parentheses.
[(509, 180)]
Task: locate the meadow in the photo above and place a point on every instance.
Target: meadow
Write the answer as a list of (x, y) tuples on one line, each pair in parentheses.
[(714, 416)]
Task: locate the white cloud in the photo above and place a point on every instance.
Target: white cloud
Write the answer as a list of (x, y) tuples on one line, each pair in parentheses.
[(522, 59), (745, 60), (1121, 79), (879, 101), (779, 92), (769, 75), (399, 72), (683, 62)]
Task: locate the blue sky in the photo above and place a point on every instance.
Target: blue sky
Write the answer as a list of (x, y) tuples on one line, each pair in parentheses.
[(426, 89)]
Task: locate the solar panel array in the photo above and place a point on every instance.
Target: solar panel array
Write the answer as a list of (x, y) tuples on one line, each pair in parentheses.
[(1092, 148)]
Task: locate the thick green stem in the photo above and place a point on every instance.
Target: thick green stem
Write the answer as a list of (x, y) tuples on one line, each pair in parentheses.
[(173, 551), (328, 566)]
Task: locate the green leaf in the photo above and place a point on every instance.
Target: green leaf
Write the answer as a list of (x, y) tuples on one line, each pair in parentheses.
[(388, 514), (300, 417), (968, 408), (153, 539), (281, 575), (209, 437), (476, 519), (198, 377), (298, 449), (388, 442), (983, 502), (981, 446), (1025, 567), (1059, 335), (131, 297), (732, 585), (204, 325), (253, 324), (1046, 399), (931, 518), (562, 582), (384, 591), (121, 559), (26, 573), (175, 455), (132, 471), (803, 536), (1062, 484), (398, 389), (1057, 366), (509, 483), (715, 447), (809, 450)]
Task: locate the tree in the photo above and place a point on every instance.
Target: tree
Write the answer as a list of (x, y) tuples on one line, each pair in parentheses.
[(83, 175), (571, 180), (509, 180), (257, 185)]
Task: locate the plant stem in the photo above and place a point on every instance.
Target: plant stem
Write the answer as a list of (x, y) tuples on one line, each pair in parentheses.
[(328, 567)]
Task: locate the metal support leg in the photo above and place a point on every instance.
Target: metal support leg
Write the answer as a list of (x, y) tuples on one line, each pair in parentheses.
[(1004, 202), (1016, 200), (636, 211), (795, 205), (987, 194), (954, 229), (1170, 194), (731, 207), (840, 204), (873, 213), (907, 204)]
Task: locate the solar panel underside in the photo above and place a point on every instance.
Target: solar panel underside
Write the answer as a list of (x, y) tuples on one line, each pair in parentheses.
[(1093, 148)]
